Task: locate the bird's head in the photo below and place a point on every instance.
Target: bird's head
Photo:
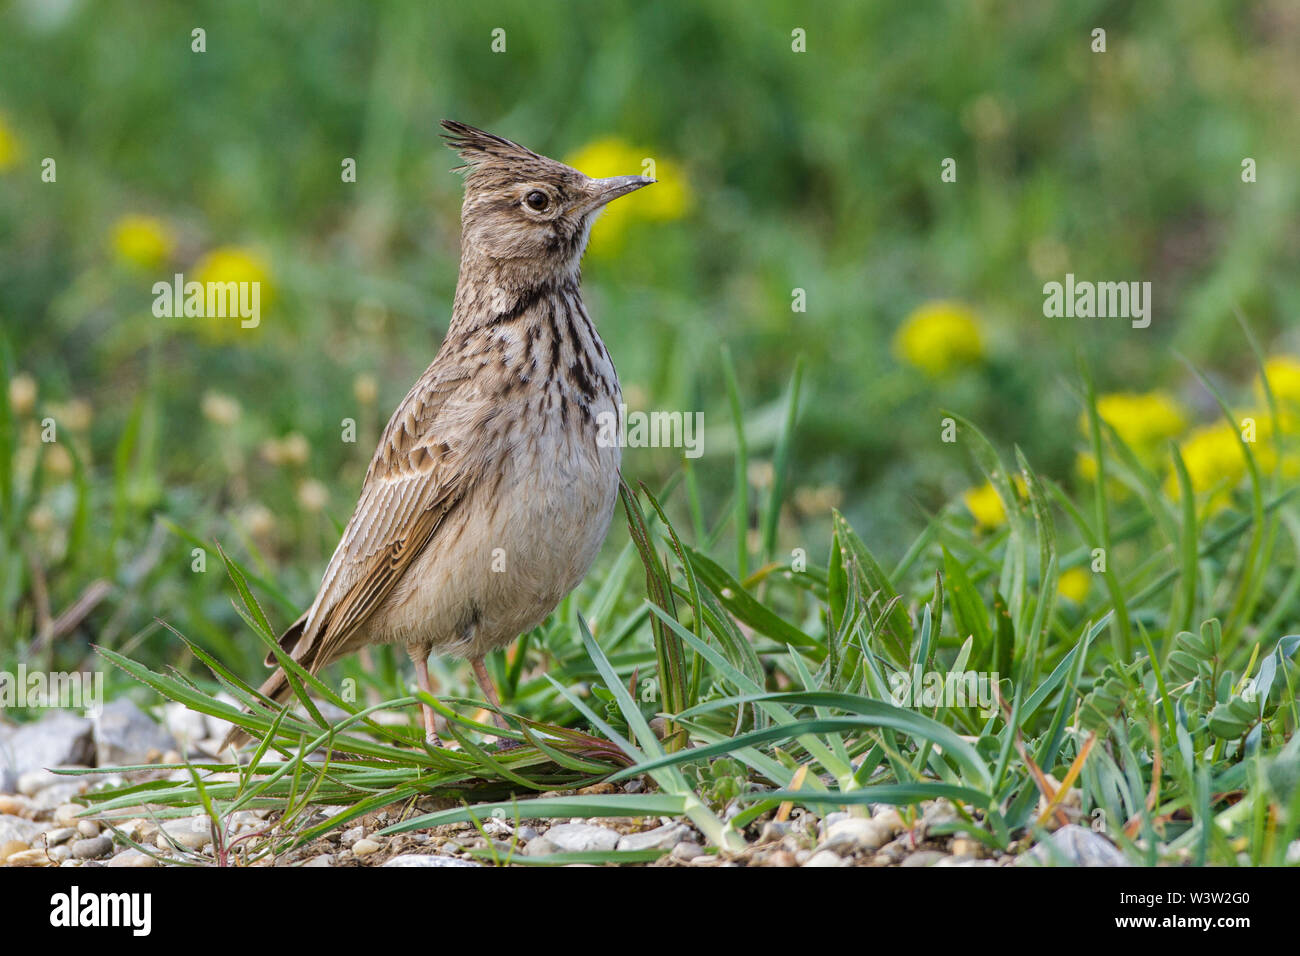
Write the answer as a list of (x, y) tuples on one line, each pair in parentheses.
[(524, 208)]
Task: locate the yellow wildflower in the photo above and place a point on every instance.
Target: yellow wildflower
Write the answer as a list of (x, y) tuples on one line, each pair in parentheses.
[(10, 146), (668, 199), (939, 337), (1283, 373), (1085, 466), (1143, 420), (1215, 464), (1276, 449), (1073, 584), (143, 241), (983, 502), (234, 264)]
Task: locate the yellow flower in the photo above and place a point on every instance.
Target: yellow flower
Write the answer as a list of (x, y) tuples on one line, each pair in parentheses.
[(10, 146), (938, 338), (985, 505), (1283, 373), (1085, 466), (1276, 449), (1073, 584), (668, 199), (1214, 463), (143, 241), (234, 264), (1143, 420)]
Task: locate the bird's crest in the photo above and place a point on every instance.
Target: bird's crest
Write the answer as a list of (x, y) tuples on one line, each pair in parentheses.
[(478, 147)]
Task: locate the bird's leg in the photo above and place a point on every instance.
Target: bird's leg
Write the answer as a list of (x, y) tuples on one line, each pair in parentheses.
[(490, 692), (421, 662)]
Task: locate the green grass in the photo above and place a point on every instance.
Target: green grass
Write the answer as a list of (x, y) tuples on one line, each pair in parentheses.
[(776, 685)]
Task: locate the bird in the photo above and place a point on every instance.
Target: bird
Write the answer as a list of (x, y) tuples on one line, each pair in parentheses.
[(492, 489)]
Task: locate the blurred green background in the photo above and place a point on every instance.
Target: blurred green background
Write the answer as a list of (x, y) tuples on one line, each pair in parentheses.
[(780, 170)]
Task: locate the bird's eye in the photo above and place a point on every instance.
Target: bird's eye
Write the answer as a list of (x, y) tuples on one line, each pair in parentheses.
[(536, 200)]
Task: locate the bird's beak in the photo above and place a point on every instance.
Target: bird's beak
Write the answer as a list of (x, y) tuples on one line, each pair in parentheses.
[(603, 191)]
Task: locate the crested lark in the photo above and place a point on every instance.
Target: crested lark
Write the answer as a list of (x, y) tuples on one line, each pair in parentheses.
[(492, 456)]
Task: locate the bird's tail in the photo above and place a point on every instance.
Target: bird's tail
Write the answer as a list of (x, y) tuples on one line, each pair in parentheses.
[(276, 687)]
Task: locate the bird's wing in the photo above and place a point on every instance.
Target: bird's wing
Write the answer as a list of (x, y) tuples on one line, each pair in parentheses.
[(420, 473)]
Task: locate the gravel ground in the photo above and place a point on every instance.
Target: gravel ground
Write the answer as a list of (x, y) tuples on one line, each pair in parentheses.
[(43, 822)]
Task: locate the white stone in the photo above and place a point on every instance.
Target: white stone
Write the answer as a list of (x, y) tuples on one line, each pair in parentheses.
[(582, 838), (661, 838)]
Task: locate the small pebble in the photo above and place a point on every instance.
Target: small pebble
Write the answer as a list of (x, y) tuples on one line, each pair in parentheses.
[(773, 831), (661, 838), (10, 847), (28, 858), (66, 814), (686, 852), (92, 847), (88, 828), (13, 805), (540, 846), (825, 858), (890, 819), (58, 794), (59, 835), (365, 847), (33, 781), (582, 837), (133, 858), (855, 833), (190, 832), (411, 859)]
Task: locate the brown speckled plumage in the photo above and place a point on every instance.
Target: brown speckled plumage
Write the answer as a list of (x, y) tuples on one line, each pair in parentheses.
[(491, 460)]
